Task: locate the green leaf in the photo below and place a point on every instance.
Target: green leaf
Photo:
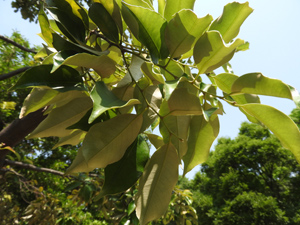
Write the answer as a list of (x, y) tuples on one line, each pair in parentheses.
[(148, 71), (105, 21), (176, 130), (142, 3), (228, 24), (156, 141), (280, 124), (211, 52), (183, 30), (37, 99), (106, 142), (104, 99), (156, 184), (63, 79), (202, 135), (45, 27), (62, 117), (154, 97), (73, 185), (149, 28), (174, 6), (123, 174), (103, 65), (256, 83), (73, 139), (79, 164)]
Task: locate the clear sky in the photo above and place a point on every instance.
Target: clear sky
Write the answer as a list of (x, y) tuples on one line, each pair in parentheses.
[(273, 32)]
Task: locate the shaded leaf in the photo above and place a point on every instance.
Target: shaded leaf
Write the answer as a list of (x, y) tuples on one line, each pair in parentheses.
[(156, 141), (280, 124), (156, 184), (123, 174), (63, 79), (202, 135), (73, 139), (183, 30), (106, 142), (79, 164), (211, 52)]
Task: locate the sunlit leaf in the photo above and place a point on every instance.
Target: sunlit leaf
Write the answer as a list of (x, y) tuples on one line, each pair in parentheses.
[(202, 135), (79, 164), (228, 24), (183, 30), (148, 27), (104, 99), (280, 124), (156, 184), (73, 139), (156, 141), (45, 28), (155, 78), (211, 51), (174, 6), (121, 175), (106, 142)]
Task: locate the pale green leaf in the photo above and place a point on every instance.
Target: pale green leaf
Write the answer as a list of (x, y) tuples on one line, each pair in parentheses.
[(148, 27), (211, 51), (202, 135), (156, 184), (106, 142), (123, 174), (174, 6), (148, 71), (161, 6), (183, 30), (37, 99), (104, 99), (228, 24), (62, 117), (79, 164), (280, 124), (73, 139), (45, 27), (141, 3), (256, 83), (156, 141)]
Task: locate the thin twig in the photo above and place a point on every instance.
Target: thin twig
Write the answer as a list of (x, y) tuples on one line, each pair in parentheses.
[(13, 73), (17, 45)]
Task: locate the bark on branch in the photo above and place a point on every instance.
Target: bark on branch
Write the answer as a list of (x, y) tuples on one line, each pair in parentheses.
[(19, 129), (14, 73), (32, 167), (17, 45)]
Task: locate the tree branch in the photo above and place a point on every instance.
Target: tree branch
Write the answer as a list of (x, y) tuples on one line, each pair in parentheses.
[(34, 168), (13, 73), (17, 45), (19, 129)]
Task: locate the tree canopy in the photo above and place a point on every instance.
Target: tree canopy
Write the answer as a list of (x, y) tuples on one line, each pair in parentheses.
[(109, 75)]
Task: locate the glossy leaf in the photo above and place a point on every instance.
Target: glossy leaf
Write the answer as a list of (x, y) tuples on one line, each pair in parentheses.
[(148, 27), (202, 135), (174, 6), (62, 117), (104, 20), (63, 79), (228, 24), (156, 184), (123, 174), (142, 3), (104, 99), (211, 52), (183, 30), (106, 142), (280, 124)]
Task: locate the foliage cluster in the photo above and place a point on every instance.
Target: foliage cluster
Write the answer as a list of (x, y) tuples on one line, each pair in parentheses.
[(113, 73)]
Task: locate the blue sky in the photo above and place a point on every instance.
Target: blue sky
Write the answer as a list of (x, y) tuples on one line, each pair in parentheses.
[(273, 32)]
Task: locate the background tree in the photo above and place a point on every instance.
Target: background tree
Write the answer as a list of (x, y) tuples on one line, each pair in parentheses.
[(251, 179)]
